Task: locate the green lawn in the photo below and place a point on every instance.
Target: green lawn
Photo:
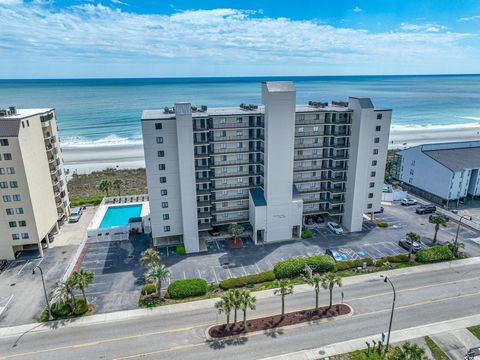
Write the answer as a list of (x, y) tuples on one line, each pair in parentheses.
[(475, 330), (437, 353)]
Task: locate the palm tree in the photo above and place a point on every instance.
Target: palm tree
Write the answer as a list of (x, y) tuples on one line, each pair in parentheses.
[(105, 185), (247, 301), (236, 300), (408, 351), (235, 230), (329, 280), (284, 288), (437, 220), (81, 280), (157, 274), (225, 306), (412, 237), (117, 185), (455, 246), (315, 281), (62, 294), (150, 258)]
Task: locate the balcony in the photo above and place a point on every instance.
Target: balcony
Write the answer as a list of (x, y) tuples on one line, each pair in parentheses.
[(336, 201), (314, 201), (310, 179), (203, 191), (335, 191), (231, 186), (220, 175), (230, 125), (322, 122), (242, 219), (201, 141), (308, 133), (335, 212), (230, 162), (233, 197), (231, 138), (204, 215), (338, 179), (204, 226), (337, 146), (203, 204), (314, 211), (45, 123), (309, 146), (229, 209), (230, 150), (201, 155)]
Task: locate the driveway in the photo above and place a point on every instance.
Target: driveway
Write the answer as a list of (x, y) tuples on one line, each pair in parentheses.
[(456, 343)]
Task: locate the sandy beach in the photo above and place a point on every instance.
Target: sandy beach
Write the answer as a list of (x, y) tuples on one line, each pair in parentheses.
[(85, 159)]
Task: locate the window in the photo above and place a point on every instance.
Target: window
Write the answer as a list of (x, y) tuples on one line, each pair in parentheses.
[(158, 126), (379, 116), (28, 123), (239, 157), (22, 223), (373, 173), (222, 120), (19, 211), (374, 162), (3, 185), (7, 198), (16, 197), (375, 151), (9, 211), (163, 179), (163, 192), (10, 170), (315, 128), (160, 153), (23, 124), (372, 184), (165, 204), (369, 206), (4, 142), (161, 166), (159, 139), (166, 228), (2, 171), (25, 236), (7, 156), (301, 129), (13, 184), (378, 128), (376, 140), (239, 120), (223, 133), (12, 224), (166, 216), (15, 237), (370, 195)]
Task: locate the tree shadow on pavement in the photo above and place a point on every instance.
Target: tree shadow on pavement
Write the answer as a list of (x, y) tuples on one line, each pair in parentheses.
[(222, 344)]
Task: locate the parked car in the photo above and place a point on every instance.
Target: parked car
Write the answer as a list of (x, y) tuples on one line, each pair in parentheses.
[(336, 255), (75, 214), (408, 202), (337, 229), (426, 209), (405, 243), (379, 210), (214, 231), (473, 354), (445, 217)]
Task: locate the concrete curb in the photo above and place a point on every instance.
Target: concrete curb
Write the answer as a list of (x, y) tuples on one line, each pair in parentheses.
[(293, 326)]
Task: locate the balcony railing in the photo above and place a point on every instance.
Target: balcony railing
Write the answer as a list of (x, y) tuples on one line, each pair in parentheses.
[(308, 133), (203, 203), (230, 150), (229, 125), (233, 197), (322, 122), (204, 215), (204, 226), (229, 209), (231, 138), (231, 186), (309, 145), (242, 219), (230, 162)]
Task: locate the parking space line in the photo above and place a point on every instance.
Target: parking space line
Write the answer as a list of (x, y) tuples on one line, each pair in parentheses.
[(199, 274), (243, 270), (229, 272), (258, 267), (23, 267), (218, 246), (184, 276), (269, 263), (215, 274)]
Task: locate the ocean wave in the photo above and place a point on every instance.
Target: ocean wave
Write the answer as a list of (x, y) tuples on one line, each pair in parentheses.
[(111, 140), (434, 127)]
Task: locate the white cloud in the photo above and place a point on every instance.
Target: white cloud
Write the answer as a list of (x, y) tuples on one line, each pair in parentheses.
[(357, 9), (10, 2), (432, 28), (470, 18), (218, 39), (119, 2)]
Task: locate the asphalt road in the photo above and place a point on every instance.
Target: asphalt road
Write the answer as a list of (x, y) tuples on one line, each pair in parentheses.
[(422, 298)]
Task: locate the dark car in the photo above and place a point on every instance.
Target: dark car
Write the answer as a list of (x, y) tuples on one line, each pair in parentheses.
[(214, 231), (405, 243), (426, 209), (444, 217)]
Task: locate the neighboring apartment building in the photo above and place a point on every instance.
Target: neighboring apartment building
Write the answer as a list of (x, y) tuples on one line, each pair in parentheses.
[(33, 187), (268, 166), (448, 171)]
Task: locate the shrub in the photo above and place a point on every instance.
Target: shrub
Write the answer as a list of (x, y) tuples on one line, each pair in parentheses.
[(149, 289), (352, 264), (247, 280), (401, 258), (89, 200), (181, 289), (434, 253), (180, 250), (149, 300), (382, 224), (60, 309), (307, 234), (321, 263), (81, 307), (293, 267)]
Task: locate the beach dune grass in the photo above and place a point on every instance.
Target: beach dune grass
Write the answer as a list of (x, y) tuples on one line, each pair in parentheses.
[(84, 189)]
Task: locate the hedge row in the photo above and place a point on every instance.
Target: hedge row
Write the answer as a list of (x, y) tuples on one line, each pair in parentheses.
[(181, 289), (307, 234), (352, 264), (296, 266), (247, 279), (433, 254), (401, 258)]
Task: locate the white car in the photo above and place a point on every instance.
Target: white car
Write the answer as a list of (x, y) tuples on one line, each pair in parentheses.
[(337, 229), (408, 202)]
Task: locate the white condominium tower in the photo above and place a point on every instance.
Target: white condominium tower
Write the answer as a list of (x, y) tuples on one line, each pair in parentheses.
[(33, 188), (267, 166)]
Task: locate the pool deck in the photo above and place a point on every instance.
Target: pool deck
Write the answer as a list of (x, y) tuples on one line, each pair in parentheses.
[(102, 210)]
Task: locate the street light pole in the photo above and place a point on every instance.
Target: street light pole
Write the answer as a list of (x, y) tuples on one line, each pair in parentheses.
[(458, 227), (50, 317), (386, 279)]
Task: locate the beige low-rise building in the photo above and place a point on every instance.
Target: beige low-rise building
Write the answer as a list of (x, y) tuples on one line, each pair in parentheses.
[(33, 186)]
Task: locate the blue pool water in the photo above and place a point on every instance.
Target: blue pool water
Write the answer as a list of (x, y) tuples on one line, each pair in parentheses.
[(119, 215)]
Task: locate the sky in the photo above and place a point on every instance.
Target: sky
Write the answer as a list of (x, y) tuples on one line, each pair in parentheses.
[(162, 38)]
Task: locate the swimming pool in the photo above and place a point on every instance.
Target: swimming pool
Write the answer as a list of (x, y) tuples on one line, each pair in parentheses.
[(119, 215)]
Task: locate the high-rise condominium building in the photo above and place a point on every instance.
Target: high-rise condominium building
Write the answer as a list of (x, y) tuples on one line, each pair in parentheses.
[(269, 166), (33, 187)]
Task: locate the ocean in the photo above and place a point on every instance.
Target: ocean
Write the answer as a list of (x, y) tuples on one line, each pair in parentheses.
[(93, 112)]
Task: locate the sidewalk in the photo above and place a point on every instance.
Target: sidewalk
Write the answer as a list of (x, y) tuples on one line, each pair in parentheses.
[(456, 326), (209, 303)]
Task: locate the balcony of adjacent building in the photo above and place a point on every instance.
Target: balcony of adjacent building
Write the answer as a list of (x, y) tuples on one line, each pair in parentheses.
[(231, 206), (202, 180), (203, 203), (230, 150), (336, 144), (233, 124), (204, 226), (321, 155), (204, 215), (335, 132), (230, 219), (203, 191), (219, 162), (218, 197), (323, 119)]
